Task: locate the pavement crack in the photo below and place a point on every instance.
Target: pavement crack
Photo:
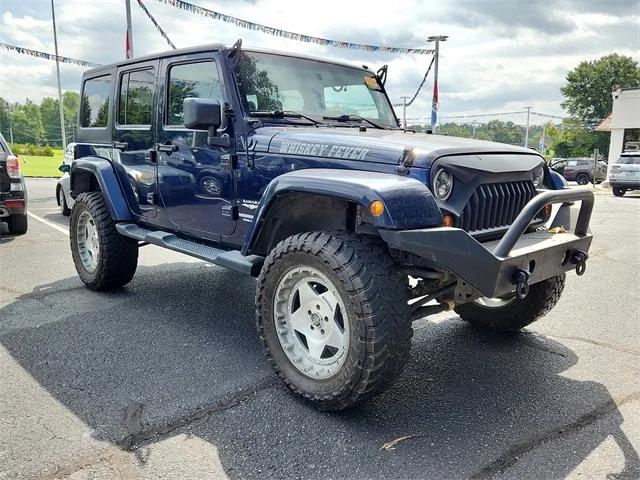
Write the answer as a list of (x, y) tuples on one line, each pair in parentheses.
[(514, 453), (594, 342), (137, 435)]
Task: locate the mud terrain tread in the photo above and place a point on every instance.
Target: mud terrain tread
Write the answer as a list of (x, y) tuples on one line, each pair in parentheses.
[(118, 258), (378, 297), (542, 297)]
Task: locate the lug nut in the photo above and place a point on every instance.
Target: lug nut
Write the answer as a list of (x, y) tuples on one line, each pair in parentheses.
[(322, 332)]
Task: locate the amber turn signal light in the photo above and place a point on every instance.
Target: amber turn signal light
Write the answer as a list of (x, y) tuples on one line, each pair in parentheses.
[(448, 221), (376, 208)]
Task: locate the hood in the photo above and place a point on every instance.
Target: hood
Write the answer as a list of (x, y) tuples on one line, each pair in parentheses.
[(374, 145)]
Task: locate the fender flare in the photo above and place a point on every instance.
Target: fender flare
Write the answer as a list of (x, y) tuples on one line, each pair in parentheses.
[(102, 170), (408, 202)]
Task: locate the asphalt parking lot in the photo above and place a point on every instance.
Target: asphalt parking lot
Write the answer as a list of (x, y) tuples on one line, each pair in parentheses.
[(166, 378)]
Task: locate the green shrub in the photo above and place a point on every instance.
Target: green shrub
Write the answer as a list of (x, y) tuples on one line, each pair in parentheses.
[(17, 149), (22, 149)]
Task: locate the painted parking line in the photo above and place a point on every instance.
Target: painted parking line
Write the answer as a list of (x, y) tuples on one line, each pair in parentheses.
[(47, 222)]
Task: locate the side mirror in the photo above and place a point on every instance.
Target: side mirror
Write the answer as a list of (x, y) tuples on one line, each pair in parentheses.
[(64, 168), (205, 114), (202, 113)]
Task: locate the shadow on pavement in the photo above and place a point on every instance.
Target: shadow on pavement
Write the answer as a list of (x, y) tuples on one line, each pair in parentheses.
[(178, 348)]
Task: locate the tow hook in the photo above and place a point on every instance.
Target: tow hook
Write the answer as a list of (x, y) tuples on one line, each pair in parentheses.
[(579, 259), (521, 281)]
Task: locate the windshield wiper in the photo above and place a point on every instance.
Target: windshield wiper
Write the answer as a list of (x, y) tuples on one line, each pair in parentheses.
[(357, 118), (284, 114)]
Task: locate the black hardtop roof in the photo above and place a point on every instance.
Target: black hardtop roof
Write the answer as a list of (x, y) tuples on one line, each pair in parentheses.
[(206, 48)]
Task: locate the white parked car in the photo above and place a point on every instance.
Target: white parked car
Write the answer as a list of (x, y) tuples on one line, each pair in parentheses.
[(63, 187)]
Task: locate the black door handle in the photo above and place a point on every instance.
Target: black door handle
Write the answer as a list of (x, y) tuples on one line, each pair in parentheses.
[(120, 145), (166, 148)]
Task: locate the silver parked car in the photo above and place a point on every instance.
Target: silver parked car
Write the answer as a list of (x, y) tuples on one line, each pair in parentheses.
[(625, 173)]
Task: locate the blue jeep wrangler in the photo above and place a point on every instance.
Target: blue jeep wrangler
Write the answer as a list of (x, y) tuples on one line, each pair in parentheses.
[(294, 170)]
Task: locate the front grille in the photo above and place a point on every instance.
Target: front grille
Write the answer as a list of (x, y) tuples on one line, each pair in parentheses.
[(494, 205)]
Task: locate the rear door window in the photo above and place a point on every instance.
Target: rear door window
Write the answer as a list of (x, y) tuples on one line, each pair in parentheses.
[(94, 104), (136, 97)]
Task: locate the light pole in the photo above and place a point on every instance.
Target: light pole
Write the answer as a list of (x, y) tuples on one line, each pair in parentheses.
[(526, 132), (55, 43), (435, 104), (404, 111), (129, 39)]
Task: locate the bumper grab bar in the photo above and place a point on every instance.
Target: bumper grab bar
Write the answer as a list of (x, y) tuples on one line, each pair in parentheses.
[(522, 221)]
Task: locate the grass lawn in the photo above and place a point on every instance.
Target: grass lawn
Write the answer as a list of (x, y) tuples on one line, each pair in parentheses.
[(33, 166)]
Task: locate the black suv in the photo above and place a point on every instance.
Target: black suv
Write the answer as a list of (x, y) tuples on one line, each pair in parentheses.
[(294, 170), (13, 191)]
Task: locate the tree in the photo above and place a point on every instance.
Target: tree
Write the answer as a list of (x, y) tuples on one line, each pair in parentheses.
[(589, 86), (70, 105), (5, 117), (574, 139), (27, 123), (50, 113)]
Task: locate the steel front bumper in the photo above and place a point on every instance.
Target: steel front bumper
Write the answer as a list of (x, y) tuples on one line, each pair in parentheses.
[(496, 268)]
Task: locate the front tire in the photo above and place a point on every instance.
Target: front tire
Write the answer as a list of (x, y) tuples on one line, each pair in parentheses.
[(104, 259), (333, 317), (619, 192), (18, 224), (510, 314)]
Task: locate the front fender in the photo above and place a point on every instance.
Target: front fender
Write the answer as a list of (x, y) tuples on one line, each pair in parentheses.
[(408, 202), (83, 170)]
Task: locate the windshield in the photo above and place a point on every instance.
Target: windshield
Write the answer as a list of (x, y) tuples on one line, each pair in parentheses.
[(271, 82)]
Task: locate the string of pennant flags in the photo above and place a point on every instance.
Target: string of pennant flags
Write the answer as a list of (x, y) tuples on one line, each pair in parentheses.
[(415, 95), (276, 32), (156, 24), (46, 56)]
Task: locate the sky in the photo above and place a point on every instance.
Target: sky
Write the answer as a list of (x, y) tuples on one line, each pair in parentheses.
[(501, 55)]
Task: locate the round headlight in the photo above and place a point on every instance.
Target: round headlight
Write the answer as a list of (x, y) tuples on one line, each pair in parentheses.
[(443, 184), (538, 176)]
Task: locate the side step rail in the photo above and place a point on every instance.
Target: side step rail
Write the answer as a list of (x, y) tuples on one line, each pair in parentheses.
[(233, 260)]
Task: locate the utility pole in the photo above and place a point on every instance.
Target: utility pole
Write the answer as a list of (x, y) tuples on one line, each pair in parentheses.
[(55, 43), (435, 104), (404, 111), (474, 127), (544, 134), (11, 123), (526, 132), (129, 39)]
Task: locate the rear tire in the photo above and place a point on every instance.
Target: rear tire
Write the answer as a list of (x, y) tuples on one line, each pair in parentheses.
[(361, 275), (515, 314), (582, 179), (619, 192), (62, 202), (18, 224), (112, 259)]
